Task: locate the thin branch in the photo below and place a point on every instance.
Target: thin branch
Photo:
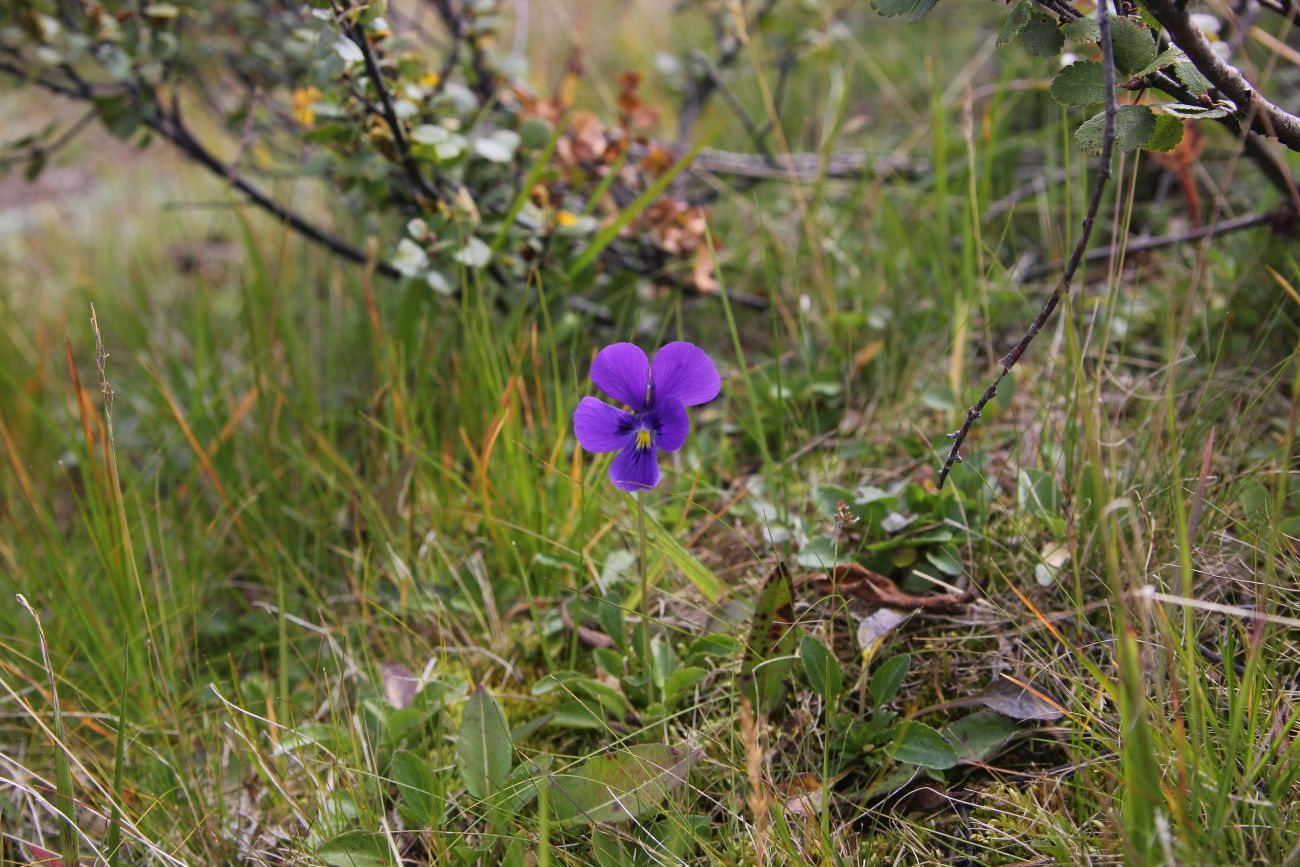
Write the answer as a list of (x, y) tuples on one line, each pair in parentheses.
[(45, 151), (1009, 360), (171, 127), (802, 167), (174, 130), (702, 87), (1271, 120), (357, 35), (457, 26), (1279, 220), (752, 128)]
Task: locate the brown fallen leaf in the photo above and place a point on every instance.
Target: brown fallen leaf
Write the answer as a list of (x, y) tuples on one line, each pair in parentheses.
[(1015, 701), (400, 683), (802, 794), (588, 636), (854, 579)]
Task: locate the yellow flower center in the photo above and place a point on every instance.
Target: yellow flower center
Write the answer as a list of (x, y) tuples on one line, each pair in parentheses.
[(643, 439)]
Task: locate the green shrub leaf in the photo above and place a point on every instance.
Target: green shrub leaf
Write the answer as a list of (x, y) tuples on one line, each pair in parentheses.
[(1134, 127), (1015, 23), (1042, 36), (1083, 29), (1190, 77), (1081, 83), (1169, 132), (915, 10), (1135, 46)]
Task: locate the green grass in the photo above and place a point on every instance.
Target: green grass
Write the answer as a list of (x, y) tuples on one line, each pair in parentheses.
[(293, 506)]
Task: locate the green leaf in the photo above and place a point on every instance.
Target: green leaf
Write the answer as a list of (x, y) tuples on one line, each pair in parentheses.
[(887, 678), (415, 790), (945, 560), (1014, 23), (535, 133), (977, 737), (580, 714), (704, 579), (915, 10), (1134, 45), (35, 165), (1085, 29), (1254, 499), (1140, 798), (771, 642), (620, 786), (483, 752), (821, 667), (608, 849), (677, 683), (356, 849), (1190, 77), (715, 644), (521, 787), (922, 745), (1042, 36), (1037, 492), (1134, 126), (116, 116), (665, 660), (1169, 132), (1163, 59), (822, 552), (1081, 83)]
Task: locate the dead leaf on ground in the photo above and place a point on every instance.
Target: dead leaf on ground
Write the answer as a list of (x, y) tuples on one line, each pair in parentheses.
[(877, 626), (802, 796), (400, 683), (1018, 703)]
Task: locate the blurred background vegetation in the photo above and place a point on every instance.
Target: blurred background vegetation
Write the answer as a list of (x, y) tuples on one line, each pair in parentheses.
[(280, 514)]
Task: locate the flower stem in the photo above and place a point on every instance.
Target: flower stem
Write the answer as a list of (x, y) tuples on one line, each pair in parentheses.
[(646, 659)]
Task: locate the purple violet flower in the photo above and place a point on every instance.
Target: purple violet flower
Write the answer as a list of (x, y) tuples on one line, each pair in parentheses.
[(682, 375)]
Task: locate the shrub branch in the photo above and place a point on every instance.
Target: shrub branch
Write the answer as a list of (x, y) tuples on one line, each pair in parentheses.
[(1009, 360), (1270, 120)]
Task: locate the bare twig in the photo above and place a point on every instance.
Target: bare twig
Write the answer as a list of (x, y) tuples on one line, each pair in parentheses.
[(703, 86), (45, 151), (798, 167), (1009, 360), (455, 22), (173, 128), (170, 126), (752, 127), (1278, 219)]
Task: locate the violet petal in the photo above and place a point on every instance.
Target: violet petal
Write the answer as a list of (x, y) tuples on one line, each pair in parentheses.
[(635, 469), (622, 371), (600, 427), (671, 423), (686, 372)]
